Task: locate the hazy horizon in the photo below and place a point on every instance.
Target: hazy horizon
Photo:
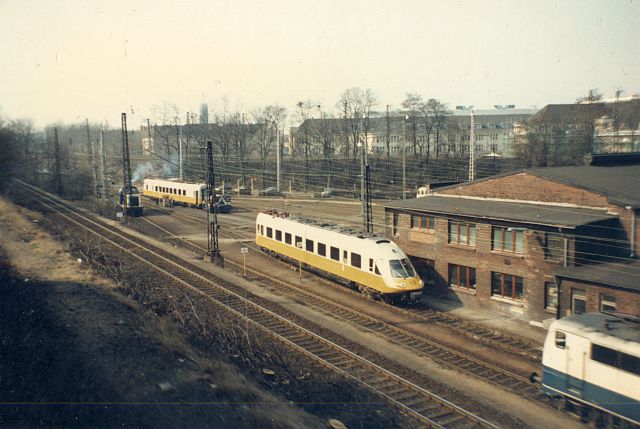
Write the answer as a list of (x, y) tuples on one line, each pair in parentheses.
[(71, 60)]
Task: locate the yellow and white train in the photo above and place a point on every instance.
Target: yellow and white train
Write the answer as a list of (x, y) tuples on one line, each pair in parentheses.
[(377, 266), (190, 194)]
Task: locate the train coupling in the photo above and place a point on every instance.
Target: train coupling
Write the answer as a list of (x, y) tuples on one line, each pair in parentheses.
[(535, 378)]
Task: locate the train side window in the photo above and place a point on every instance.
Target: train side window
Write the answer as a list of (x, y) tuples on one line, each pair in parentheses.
[(604, 355), (278, 235), (335, 253), (561, 339), (261, 229), (309, 245), (322, 249), (345, 255), (630, 363), (356, 260), (287, 238), (298, 242), (370, 264), (377, 270), (269, 232)]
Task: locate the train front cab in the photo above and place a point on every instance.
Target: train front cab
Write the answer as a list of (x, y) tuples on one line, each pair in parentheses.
[(570, 371), (133, 204)]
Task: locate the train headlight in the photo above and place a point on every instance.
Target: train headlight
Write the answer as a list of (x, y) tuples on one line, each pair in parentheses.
[(421, 282)]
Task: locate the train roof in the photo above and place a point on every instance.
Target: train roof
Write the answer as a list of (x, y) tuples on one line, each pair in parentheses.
[(175, 180), (602, 328), (328, 226)]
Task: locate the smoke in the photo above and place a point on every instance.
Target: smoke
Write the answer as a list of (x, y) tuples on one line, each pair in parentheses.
[(142, 171), (170, 168)]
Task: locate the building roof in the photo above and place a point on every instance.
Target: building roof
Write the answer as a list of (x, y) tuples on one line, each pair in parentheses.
[(619, 183), (627, 112), (533, 214), (617, 275)]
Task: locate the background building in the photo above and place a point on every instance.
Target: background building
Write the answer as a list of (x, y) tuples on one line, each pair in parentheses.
[(503, 242)]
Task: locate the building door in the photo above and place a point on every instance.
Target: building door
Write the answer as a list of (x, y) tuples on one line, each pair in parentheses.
[(577, 348)]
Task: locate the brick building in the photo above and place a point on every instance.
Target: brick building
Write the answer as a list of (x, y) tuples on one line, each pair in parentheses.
[(506, 243)]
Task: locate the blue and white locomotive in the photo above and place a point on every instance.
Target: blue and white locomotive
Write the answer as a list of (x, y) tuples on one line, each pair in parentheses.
[(593, 360)]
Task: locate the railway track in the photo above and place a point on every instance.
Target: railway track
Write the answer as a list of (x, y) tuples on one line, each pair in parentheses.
[(479, 333), (427, 407), (445, 356)]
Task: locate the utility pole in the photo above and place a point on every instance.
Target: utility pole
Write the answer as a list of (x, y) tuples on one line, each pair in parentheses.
[(388, 138), (404, 158), (472, 148), (91, 151), (213, 250), (103, 164), (57, 175), (126, 167), (616, 126), (368, 213), (149, 144), (278, 160)]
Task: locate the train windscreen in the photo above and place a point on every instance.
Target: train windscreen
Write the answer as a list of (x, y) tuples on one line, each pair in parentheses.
[(401, 268)]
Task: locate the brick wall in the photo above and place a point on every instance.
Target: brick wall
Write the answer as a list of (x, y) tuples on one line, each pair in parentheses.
[(627, 302), (531, 265)]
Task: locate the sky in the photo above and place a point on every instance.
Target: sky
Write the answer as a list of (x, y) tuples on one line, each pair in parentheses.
[(67, 60)]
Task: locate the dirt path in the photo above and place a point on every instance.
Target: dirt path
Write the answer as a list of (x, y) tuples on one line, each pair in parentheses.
[(74, 353)]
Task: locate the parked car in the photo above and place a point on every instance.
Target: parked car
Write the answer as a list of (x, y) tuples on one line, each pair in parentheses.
[(328, 193), (271, 191)]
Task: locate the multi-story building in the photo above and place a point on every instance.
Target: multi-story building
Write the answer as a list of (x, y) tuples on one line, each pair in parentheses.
[(505, 242), (568, 130), (447, 137)]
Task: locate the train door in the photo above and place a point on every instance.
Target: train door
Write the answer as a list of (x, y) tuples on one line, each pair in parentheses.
[(577, 349), (196, 195)]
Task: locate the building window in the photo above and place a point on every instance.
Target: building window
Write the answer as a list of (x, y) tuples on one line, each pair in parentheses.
[(553, 247), (550, 296), (423, 222), (507, 239), (578, 301), (462, 233), (461, 276), (507, 286), (607, 303)]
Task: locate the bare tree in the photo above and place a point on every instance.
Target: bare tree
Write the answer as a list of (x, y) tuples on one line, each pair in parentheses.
[(438, 113), (356, 105), (412, 104), (304, 111), (270, 120)]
